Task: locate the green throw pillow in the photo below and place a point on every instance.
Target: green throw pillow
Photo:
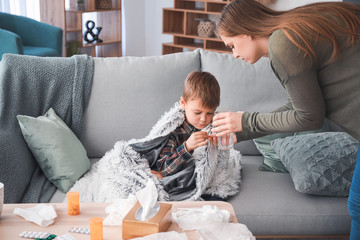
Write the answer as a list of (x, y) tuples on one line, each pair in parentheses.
[(319, 163), (55, 147), (271, 158)]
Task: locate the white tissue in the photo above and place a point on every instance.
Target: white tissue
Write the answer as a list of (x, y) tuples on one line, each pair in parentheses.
[(164, 236), (194, 218), (229, 231), (41, 214), (118, 210), (148, 200)]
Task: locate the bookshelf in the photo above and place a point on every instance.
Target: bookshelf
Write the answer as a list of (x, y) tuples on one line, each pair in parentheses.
[(72, 19), (182, 23)]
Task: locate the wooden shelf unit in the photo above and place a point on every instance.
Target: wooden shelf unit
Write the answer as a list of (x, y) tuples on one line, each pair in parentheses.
[(181, 22), (73, 21)]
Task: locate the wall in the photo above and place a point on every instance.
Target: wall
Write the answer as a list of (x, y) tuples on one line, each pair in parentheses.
[(153, 23), (133, 30), (144, 24)]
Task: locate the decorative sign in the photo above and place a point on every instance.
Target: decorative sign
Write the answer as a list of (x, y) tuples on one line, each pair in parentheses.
[(90, 25)]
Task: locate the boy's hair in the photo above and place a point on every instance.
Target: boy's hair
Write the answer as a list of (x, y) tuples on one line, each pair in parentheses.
[(202, 85)]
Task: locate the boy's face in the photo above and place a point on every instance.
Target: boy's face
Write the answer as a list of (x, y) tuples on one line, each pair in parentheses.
[(196, 114)]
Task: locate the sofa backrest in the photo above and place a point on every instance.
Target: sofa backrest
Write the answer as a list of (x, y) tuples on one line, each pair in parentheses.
[(130, 94)]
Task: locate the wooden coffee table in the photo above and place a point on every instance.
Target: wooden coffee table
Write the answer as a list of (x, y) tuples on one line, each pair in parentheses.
[(12, 225)]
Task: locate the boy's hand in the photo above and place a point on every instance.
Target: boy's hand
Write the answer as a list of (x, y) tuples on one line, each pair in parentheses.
[(157, 174), (212, 138), (196, 140)]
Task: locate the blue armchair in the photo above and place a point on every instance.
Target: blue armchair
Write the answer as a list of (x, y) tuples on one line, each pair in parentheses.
[(22, 35)]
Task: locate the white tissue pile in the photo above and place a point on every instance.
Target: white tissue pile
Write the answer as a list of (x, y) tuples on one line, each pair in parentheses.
[(211, 223), (193, 218), (41, 214)]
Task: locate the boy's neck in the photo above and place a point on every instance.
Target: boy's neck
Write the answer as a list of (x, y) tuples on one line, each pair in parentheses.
[(187, 124)]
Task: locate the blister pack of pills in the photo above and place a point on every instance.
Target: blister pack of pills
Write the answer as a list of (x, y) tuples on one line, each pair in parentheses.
[(66, 237), (33, 235), (80, 230)]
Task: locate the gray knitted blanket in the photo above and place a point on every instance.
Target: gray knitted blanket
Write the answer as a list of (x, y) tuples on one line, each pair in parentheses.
[(122, 171), (30, 86)]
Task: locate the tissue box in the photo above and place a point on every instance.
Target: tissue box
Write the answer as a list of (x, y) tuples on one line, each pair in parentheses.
[(132, 228)]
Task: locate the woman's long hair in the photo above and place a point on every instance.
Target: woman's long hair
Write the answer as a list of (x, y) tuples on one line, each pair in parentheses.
[(302, 25)]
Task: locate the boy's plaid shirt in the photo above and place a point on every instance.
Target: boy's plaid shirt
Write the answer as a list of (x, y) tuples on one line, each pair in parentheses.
[(174, 154)]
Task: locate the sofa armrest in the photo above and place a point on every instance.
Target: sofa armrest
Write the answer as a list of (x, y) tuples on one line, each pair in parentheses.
[(10, 43)]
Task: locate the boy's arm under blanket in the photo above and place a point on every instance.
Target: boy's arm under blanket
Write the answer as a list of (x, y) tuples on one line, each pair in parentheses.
[(172, 157)]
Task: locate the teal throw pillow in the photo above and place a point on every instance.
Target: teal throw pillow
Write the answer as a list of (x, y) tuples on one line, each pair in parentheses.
[(55, 147), (271, 158), (319, 163)]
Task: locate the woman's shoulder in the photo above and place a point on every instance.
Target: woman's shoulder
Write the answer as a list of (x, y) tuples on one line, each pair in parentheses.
[(278, 42), (277, 34), (285, 57)]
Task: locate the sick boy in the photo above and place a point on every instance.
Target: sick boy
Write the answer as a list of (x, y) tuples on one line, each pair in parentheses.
[(201, 97)]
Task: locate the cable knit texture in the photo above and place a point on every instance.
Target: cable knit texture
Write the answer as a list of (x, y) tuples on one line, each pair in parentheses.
[(319, 163)]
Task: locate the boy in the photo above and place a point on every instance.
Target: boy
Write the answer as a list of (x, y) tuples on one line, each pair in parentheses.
[(201, 97)]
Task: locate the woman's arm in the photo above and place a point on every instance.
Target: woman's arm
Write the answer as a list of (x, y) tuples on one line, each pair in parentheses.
[(299, 76), (241, 136)]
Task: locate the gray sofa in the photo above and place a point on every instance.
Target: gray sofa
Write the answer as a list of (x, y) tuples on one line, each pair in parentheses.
[(129, 94)]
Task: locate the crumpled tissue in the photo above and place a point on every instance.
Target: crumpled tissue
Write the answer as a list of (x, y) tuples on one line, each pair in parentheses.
[(120, 207), (229, 231), (194, 218), (41, 214), (164, 236), (118, 210), (148, 200)]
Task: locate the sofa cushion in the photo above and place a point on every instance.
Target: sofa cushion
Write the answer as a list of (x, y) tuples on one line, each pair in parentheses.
[(319, 163), (130, 94), (244, 87), (268, 204), (59, 153)]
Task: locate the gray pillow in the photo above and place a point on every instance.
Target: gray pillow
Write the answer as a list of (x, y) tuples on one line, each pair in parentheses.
[(272, 160), (57, 150), (319, 163)]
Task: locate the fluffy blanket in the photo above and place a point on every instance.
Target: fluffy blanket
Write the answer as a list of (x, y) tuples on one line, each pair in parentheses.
[(30, 85), (122, 171)]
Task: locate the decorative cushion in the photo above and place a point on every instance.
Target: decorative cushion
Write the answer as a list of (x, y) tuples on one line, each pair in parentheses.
[(272, 160), (55, 147), (319, 163)]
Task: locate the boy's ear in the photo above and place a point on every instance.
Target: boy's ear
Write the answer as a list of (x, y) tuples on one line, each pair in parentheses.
[(182, 102)]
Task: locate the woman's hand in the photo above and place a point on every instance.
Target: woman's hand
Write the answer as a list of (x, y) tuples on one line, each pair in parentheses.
[(227, 122)]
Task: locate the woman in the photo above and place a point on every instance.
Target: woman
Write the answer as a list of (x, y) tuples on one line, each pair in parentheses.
[(315, 52)]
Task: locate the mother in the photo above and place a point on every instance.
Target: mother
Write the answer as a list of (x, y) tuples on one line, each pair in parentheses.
[(314, 50)]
